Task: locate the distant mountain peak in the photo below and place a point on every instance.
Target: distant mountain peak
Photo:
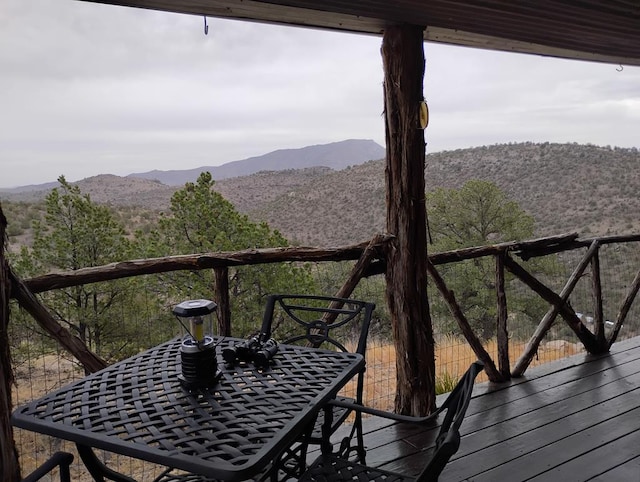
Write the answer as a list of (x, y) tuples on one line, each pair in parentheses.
[(335, 155)]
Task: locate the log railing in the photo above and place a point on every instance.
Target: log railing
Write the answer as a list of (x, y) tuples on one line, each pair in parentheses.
[(370, 260)]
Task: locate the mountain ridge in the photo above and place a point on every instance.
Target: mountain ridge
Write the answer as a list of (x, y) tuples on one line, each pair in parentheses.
[(566, 187), (335, 155)]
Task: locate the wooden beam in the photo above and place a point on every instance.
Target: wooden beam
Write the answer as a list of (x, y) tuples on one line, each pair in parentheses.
[(74, 345), (406, 274), (374, 250), (523, 249)]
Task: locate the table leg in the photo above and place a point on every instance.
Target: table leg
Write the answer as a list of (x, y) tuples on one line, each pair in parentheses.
[(291, 463), (97, 469), (326, 447)]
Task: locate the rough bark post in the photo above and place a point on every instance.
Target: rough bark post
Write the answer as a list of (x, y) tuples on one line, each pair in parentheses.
[(9, 466), (502, 332), (221, 290), (406, 274)]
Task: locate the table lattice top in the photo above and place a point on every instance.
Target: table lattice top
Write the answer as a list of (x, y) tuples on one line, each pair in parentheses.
[(138, 408)]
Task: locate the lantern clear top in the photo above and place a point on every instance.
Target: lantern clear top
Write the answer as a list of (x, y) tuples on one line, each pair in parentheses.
[(196, 317)]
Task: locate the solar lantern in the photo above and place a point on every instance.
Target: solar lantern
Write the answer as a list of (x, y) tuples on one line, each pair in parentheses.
[(198, 349)]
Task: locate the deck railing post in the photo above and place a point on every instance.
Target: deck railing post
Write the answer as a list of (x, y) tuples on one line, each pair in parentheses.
[(596, 287), (502, 332), (221, 296)]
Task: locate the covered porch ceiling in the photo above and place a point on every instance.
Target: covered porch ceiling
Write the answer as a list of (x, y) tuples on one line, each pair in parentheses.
[(594, 30)]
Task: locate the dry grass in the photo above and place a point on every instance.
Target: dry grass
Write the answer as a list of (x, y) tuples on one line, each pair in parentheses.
[(453, 357)]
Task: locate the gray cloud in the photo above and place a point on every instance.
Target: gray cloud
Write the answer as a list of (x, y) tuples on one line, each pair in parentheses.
[(89, 89)]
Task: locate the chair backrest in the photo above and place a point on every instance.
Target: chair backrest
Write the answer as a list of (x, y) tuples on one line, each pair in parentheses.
[(448, 440), (318, 321)]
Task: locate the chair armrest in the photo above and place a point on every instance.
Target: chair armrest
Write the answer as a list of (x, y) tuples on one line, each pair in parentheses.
[(468, 378), (62, 459), (382, 413)]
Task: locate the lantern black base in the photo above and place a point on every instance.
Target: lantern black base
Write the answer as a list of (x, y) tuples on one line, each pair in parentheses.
[(200, 383), (199, 367)]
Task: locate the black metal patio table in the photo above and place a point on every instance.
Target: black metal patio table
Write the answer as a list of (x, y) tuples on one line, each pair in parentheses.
[(231, 431)]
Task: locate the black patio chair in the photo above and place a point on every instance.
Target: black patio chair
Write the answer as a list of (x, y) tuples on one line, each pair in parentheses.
[(322, 322), (62, 460), (333, 468)]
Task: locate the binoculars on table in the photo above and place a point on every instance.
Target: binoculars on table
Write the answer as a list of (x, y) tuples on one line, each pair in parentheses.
[(253, 350)]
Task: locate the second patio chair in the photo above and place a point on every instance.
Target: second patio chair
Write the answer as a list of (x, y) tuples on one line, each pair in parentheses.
[(323, 322), (332, 468)]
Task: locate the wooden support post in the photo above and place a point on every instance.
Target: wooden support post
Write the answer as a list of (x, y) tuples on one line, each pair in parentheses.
[(9, 466), (406, 274), (502, 332), (221, 294)]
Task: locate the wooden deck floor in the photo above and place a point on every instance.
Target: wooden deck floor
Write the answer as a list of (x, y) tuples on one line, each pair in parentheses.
[(577, 419)]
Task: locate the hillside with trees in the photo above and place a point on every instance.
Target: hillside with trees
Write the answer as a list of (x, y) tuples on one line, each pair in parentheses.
[(76, 232), (564, 187)]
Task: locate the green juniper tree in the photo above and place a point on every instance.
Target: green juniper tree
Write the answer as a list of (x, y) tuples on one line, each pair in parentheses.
[(478, 214), (200, 221), (77, 233)]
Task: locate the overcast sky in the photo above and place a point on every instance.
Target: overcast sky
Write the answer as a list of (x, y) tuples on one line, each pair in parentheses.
[(89, 89)]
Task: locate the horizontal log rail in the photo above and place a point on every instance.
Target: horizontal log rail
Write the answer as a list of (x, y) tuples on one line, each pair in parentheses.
[(138, 267)]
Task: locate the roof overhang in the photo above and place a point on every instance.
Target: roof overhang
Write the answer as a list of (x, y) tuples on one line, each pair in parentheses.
[(595, 30)]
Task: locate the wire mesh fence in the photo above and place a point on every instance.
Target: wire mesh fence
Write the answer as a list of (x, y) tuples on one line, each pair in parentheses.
[(140, 317)]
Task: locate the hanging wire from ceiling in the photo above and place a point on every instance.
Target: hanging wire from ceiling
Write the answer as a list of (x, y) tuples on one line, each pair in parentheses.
[(206, 27)]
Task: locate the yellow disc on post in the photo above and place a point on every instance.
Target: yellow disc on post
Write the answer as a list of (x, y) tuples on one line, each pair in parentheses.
[(424, 115)]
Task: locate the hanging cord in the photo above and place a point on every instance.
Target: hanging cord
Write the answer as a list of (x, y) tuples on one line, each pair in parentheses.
[(206, 27)]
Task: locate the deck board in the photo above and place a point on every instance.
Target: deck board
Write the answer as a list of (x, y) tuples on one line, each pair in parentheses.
[(576, 419), (622, 451)]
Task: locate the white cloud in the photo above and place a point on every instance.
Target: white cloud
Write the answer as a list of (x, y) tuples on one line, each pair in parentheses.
[(89, 88)]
